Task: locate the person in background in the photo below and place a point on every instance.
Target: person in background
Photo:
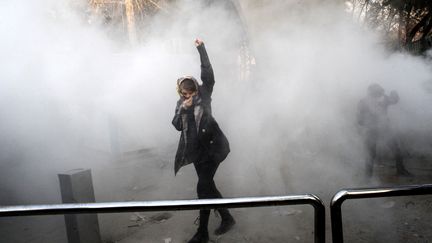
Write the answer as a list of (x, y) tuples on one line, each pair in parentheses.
[(375, 125), (202, 143)]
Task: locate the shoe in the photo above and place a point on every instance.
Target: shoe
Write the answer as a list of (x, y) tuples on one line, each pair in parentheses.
[(200, 237), (404, 172), (225, 226)]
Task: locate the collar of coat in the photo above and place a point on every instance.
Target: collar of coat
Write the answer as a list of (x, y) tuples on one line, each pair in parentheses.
[(198, 113)]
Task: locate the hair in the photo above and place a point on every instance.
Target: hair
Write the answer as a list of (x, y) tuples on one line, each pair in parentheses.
[(188, 84)]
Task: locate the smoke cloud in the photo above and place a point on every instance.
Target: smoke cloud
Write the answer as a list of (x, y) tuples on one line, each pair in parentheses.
[(70, 86), (66, 81)]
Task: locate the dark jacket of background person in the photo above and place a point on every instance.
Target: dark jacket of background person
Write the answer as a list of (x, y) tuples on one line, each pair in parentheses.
[(372, 110), (374, 123), (212, 145)]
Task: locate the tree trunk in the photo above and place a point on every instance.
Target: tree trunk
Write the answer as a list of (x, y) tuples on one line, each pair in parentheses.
[(409, 9), (130, 15), (419, 25), (427, 29)]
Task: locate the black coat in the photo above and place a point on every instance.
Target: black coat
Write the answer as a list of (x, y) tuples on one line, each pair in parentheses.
[(212, 146), (372, 111)]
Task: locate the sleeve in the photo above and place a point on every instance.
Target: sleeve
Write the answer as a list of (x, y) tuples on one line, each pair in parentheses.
[(177, 120), (361, 110), (207, 75)]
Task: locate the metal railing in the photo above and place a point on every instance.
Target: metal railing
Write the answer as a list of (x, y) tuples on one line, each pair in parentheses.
[(341, 196), (173, 205)]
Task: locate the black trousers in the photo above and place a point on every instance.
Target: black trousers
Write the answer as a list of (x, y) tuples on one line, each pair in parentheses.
[(206, 189)]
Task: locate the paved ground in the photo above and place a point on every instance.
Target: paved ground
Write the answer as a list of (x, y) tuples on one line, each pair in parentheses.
[(404, 219)]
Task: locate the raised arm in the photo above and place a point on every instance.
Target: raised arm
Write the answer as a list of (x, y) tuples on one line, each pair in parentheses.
[(207, 75)]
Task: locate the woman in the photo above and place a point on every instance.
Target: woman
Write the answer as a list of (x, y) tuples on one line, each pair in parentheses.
[(202, 142)]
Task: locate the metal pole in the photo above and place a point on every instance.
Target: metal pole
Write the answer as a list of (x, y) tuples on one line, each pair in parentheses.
[(319, 220), (76, 186), (172, 205), (358, 193)]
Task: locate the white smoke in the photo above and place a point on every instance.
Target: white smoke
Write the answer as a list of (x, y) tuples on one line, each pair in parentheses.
[(65, 81), (70, 88)]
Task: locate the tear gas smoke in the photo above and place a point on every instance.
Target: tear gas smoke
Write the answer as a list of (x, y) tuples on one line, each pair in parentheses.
[(291, 126), (63, 79)]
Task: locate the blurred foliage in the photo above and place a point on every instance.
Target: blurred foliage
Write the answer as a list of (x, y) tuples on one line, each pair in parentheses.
[(406, 23), (132, 17), (129, 17)]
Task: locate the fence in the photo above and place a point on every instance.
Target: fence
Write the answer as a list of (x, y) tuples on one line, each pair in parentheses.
[(172, 205), (341, 196)]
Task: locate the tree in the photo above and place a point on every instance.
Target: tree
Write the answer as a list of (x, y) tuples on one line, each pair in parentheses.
[(127, 14), (405, 22)]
